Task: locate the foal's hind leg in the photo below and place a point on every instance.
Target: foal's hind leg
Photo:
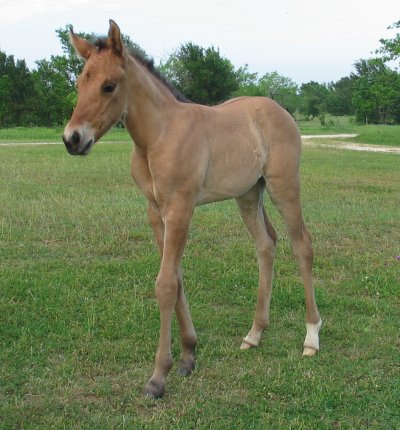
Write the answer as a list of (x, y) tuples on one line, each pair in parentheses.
[(285, 193), (264, 236)]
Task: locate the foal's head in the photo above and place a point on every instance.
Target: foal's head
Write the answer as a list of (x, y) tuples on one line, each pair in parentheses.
[(102, 90)]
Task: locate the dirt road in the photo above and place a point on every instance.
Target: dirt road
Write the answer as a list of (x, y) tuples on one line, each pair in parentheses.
[(314, 141)]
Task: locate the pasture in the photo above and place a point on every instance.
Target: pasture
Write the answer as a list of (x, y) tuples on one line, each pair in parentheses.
[(388, 135), (79, 321)]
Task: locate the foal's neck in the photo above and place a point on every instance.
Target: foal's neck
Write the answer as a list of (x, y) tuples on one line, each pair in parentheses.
[(149, 106)]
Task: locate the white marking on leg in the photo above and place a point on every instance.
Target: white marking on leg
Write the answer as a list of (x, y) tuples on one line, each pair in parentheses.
[(311, 342)]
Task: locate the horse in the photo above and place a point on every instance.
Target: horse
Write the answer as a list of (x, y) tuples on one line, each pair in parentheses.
[(185, 155)]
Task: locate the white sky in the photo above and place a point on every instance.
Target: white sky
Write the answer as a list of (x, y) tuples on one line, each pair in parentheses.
[(303, 40)]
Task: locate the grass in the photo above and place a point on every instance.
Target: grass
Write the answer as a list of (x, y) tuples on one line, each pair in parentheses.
[(378, 134), (333, 125), (43, 134), (371, 134), (79, 323)]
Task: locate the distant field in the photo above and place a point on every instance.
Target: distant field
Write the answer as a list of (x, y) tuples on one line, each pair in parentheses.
[(79, 322), (371, 134)]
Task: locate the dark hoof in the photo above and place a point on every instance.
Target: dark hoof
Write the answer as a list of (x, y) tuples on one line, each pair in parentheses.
[(154, 390), (185, 368)]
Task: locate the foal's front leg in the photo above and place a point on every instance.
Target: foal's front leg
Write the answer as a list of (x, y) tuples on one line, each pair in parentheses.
[(169, 290)]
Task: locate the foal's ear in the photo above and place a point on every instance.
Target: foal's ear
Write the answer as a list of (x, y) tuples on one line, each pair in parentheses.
[(114, 38), (82, 46)]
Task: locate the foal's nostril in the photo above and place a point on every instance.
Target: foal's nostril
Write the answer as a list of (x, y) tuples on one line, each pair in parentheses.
[(75, 138), (73, 141)]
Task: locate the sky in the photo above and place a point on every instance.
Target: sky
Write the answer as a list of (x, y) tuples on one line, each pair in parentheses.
[(309, 40)]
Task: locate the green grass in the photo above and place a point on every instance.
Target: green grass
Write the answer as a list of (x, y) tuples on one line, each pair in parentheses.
[(378, 134), (42, 134), (79, 323), (333, 125)]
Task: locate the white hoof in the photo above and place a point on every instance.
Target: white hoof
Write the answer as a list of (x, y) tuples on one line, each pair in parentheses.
[(247, 344), (309, 352)]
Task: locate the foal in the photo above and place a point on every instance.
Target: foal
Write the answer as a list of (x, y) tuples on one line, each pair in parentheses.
[(187, 155)]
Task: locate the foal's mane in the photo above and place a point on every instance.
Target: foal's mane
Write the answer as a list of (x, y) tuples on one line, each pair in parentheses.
[(148, 63)]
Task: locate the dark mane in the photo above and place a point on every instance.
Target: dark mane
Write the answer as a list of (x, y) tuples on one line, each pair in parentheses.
[(148, 63)]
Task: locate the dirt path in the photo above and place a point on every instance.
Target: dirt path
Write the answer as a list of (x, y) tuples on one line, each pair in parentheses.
[(314, 141), (328, 136)]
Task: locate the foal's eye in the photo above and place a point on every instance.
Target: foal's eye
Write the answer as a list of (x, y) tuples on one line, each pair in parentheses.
[(109, 87)]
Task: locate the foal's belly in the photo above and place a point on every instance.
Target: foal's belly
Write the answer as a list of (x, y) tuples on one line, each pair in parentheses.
[(218, 194), (230, 177)]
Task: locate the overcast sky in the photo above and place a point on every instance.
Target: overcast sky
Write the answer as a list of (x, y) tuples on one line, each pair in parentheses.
[(304, 40)]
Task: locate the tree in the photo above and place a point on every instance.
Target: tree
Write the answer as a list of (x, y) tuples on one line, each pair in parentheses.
[(339, 101), (6, 77), (313, 98), (390, 48), (376, 92), (23, 95), (202, 75), (17, 92), (281, 89), (248, 83), (56, 95)]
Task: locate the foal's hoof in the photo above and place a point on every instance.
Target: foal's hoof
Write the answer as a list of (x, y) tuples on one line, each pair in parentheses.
[(186, 367), (154, 390), (246, 344), (309, 351)]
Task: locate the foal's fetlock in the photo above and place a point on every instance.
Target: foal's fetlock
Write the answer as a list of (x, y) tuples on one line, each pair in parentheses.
[(186, 366), (187, 363), (154, 389)]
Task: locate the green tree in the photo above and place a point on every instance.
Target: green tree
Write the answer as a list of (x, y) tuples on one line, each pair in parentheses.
[(376, 92), (202, 75), (6, 77), (339, 101), (313, 98), (56, 95), (23, 95), (248, 83), (17, 92), (281, 89), (390, 48)]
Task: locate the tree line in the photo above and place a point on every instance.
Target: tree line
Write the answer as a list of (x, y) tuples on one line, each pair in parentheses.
[(46, 95)]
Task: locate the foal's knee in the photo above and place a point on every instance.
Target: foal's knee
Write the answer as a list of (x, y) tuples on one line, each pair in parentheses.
[(266, 247), (166, 290)]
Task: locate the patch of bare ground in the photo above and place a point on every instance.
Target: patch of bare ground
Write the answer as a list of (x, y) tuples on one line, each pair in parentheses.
[(324, 141)]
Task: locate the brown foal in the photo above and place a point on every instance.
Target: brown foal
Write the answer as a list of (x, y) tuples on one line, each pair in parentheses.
[(186, 155)]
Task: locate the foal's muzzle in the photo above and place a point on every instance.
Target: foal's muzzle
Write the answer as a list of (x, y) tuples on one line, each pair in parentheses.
[(76, 145)]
